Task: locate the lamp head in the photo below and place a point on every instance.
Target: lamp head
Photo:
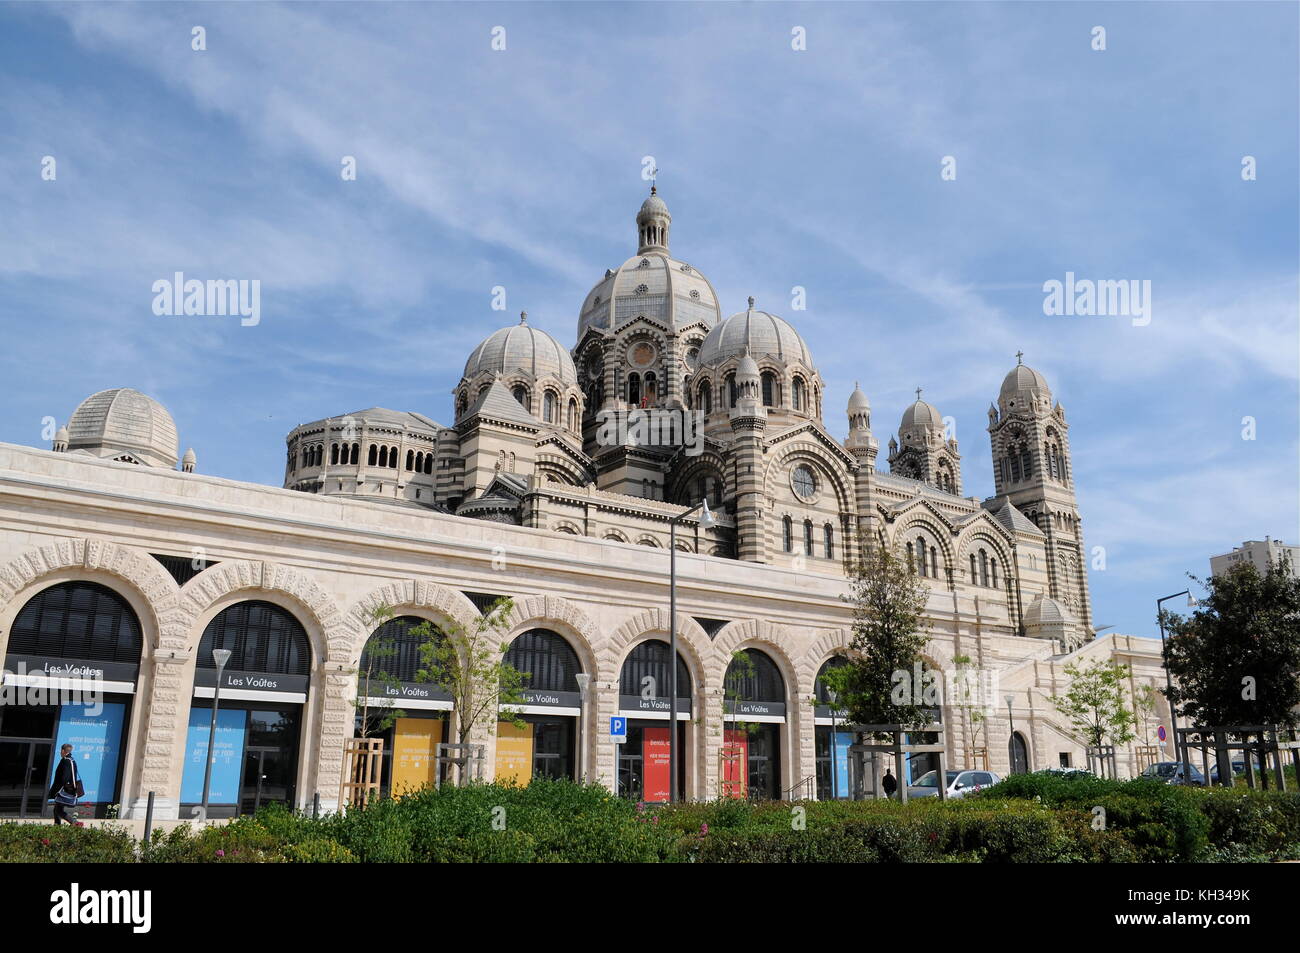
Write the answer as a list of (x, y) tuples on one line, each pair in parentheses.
[(584, 682), (221, 657), (707, 520)]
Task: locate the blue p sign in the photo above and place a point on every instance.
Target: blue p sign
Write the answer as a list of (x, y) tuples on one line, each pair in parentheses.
[(617, 725)]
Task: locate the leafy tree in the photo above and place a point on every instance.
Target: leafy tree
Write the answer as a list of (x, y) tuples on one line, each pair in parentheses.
[(468, 663), (1094, 704), (1236, 660), (889, 633)]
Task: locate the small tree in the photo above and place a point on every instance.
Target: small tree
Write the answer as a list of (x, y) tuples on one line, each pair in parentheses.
[(1144, 706), (1236, 660), (1094, 704), (468, 663), (970, 700), (889, 633), (377, 714)]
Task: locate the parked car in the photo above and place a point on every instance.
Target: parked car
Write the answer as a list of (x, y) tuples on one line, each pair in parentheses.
[(1171, 772), (1238, 769), (960, 783), (1067, 772)]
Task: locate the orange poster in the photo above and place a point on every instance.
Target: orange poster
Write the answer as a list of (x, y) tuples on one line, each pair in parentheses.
[(415, 743), (735, 764), (514, 753)]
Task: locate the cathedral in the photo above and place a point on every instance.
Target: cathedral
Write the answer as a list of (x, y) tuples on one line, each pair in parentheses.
[(141, 598), (526, 446)]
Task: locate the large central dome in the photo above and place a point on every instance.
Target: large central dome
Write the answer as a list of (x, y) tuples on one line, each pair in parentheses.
[(651, 284)]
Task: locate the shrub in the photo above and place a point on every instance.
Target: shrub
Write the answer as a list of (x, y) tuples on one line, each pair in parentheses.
[(62, 844)]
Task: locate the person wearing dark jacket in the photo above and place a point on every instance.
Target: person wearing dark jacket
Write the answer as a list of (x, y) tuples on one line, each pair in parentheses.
[(66, 787), (889, 783)]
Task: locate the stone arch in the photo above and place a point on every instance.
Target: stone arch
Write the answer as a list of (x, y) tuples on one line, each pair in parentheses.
[(566, 526), (823, 648), (452, 606), (925, 520), (149, 586), (218, 583), (974, 537), (810, 452), (692, 642), (561, 616), (758, 634), (615, 536)]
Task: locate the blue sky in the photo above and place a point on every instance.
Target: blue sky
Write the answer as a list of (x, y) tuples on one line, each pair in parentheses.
[(818, 168)]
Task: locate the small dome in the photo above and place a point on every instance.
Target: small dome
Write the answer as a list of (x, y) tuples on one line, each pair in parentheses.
[(189, 457), (747, 368), (923, 415), (522, 347), (1045, 611), (123, 420), (61, 436), (857, 400), (759, 333), (654, 204), (1023, 379)]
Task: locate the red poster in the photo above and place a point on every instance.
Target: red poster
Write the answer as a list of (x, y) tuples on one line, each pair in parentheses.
[(654, 758), (735, 764)]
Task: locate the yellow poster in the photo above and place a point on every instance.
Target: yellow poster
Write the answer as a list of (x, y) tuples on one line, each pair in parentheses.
[(514, 753), (414, 748)]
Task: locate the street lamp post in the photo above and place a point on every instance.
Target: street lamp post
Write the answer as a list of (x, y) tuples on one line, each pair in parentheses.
[(1011, 737), (706, 522), (221, 657), (584, 681), (1169, 681)]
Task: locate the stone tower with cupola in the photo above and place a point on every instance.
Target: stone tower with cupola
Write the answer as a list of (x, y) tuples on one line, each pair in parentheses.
[(1033, 470), (924, 450)]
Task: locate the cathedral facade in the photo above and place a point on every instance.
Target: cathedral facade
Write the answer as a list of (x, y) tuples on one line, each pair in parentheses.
[(555, 482)]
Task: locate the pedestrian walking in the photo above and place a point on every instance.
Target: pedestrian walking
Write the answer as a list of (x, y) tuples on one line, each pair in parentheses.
[(889, 783), (66, 788)]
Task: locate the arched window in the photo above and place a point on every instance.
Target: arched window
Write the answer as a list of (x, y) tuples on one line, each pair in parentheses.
[(769, 389), (732, 394), (374, 455), (548, 407), (920, 554), (521, 395), (549, 660), (787, 534), (410, 460), (383, 456), (1015, 466), (651, 388), (634, 389), (798, 394), (393, 650), (392, 458), (705, 402), (828, 540), (984, 568), (573, 414), (260, 636), (356, 450), (934, 562), (649, 660), (807, 538), (1026, 463), (334, 454), (758, 681), (428, 463), (77, 620), (974, 576)]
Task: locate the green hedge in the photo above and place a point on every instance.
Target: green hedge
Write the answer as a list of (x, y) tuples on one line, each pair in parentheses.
[(1026, 819)]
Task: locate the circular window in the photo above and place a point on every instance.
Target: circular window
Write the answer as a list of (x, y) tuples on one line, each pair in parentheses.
[(804, 481), (643, 354)]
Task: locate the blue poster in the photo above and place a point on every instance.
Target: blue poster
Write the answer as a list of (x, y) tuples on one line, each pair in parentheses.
[(842, 741), (95, 733), (229, 762)]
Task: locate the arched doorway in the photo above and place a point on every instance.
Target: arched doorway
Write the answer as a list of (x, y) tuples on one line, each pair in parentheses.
[(545, 747), (1019, 754), (754, 710), (644, 692), (263, 690), (411, 716), (832, 755), (70, 674)]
